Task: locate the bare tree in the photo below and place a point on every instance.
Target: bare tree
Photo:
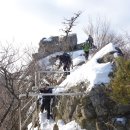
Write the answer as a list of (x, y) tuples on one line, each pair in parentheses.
[(69, 24), (13, 77), (10, 100), (102, 33), (126, 47)]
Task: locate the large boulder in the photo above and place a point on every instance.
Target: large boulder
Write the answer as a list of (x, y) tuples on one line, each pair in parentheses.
[(95, 110), (68, 43), (55, 44), (48, 46)]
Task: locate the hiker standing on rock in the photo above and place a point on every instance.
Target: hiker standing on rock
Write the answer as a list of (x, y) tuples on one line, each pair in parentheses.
[(66, 61), (46, 100)]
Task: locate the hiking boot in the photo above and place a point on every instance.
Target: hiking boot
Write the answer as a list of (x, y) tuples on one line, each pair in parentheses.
[(41, 111), (68, 73), (65, 74)]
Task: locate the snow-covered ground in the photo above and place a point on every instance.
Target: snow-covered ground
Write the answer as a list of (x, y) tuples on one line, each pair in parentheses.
[(49, 124), (90, 71)]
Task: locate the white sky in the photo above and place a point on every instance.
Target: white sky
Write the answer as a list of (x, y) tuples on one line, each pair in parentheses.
[(90, 71), (28, 21)]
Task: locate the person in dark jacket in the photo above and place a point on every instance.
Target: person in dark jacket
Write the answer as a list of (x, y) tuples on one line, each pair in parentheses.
[(46, 100), (90, 41), (66, 61)]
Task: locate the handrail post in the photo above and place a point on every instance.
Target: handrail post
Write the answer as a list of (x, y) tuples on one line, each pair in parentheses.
[(20, 125)]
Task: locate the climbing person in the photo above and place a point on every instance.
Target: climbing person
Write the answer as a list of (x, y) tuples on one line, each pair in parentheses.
[(86, 48), (90, 41), (66, 61), (46, 100)]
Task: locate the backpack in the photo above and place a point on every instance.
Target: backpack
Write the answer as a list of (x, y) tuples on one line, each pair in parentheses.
[(86, 46), (67, 57), (66, 54)]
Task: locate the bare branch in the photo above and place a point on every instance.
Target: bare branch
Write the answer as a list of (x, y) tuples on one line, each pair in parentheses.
[(69, 23)]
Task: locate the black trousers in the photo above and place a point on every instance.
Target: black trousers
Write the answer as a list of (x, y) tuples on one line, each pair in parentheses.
[(66, 68), (86, 54), (46, 106)]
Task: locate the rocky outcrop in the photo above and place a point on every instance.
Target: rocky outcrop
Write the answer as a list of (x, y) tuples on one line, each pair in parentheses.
[(69, 43), (55, 44), (95, 110), (49, 45)]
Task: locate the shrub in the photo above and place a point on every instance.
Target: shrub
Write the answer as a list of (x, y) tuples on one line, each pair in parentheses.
[(121, 82)]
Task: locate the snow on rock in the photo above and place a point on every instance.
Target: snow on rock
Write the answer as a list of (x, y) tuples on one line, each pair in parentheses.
[(45, 124), (70, 126), (92, 71), (30, 127)]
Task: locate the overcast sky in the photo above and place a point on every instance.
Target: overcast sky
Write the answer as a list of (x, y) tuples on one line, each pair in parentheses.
[(28, 21)]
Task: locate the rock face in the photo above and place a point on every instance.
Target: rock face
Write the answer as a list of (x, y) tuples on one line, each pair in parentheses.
[(95, 110), (69, 43), (49, 45), (55, 44)]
